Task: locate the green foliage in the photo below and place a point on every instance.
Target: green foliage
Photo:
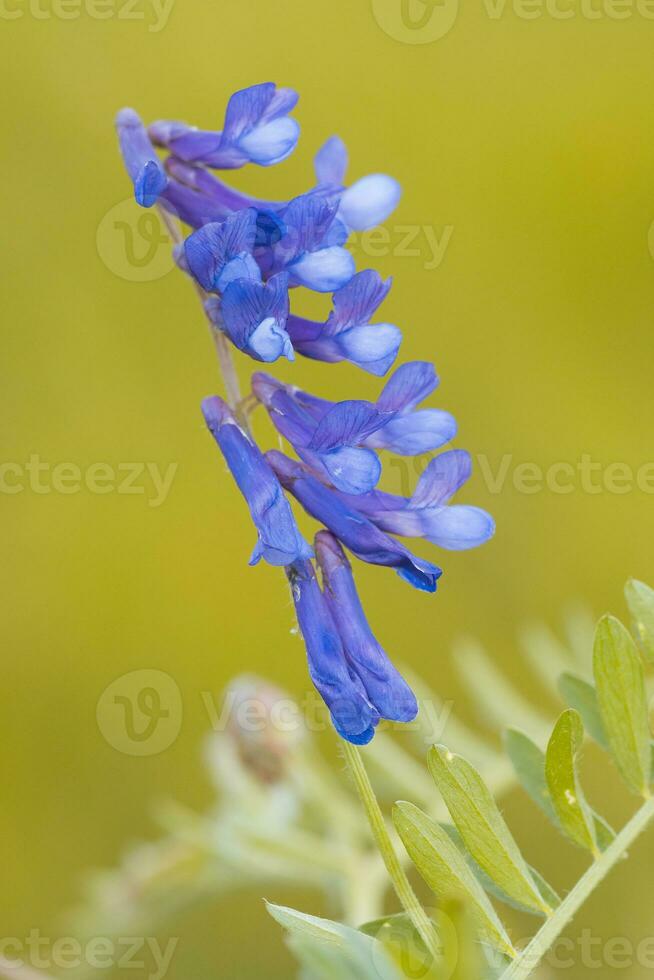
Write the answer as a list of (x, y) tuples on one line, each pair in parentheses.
[(620, 683), (640, 599), (478, 859)]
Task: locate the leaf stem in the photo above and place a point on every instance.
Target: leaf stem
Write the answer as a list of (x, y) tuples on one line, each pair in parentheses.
[(531, 955), (403, 889)]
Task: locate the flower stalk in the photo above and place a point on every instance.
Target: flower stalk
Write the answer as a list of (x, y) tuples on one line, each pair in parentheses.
[(401, 884)]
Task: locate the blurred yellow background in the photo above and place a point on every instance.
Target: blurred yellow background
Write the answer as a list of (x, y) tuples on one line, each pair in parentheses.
[(526, 147)]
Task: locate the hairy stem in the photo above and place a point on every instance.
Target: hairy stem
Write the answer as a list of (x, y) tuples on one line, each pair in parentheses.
[(223, 351), (403, 889), (530, 957)]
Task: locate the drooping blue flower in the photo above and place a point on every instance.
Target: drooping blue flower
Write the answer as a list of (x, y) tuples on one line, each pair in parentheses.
[(353, 715), (357, 532), (220, 252), (279, 540), (257, 129), (253, 315), (428, 513), (331, 446), (366, 203), (311, 249), (140, 158), (385, 687), (349, 334)]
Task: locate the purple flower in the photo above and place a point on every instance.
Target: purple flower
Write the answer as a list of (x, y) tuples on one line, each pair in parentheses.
[(279, 540), (141, 161), (332, 445), (428, 514), (348, 334), (257, 129), (412, 432), (356, 531), (385, 688), (367, 202), (253, 315), (353, 715), (220, 252), (311, 250)]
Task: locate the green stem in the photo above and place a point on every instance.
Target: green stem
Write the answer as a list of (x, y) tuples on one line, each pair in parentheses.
[(403, 889), (530, 957)]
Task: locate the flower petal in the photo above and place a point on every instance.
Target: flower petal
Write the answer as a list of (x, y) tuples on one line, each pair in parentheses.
[(457, 527), (140, 158), (330, 162), (417, 433), (369, 201), (323, 271), (443, 476), (408, 386)]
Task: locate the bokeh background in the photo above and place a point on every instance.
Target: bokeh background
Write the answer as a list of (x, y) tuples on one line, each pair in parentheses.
[(526, 147)]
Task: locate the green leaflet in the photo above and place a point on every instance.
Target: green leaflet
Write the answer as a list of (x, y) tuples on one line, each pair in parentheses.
[(333, 951), (489, 885), (620, 688), (640, 599), (406, 949), (582, 696), (529, 764), (446, 871), (482, 827), (576, 818)]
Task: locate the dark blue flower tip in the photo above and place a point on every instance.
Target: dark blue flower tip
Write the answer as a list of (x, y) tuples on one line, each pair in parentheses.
[(220, 252), (340, 688), (257, 129), (270, 229), (140, 158), (352, 528), (385, 687), (279, 540)]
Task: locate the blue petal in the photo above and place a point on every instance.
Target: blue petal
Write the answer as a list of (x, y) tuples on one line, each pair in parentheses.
[(342, 691), (356, 532), (272, 143), (415, 434), (369, 201), (255, 106), (458, 527), (324, 271), (352, 470), (330, 162), (140, 158), (348, 423), (248, 306), (443, 476), (408, 386), (308, 218), (212, 247), (385, 688), (269, 341), (373, 347), (357, 301), (280, 541)]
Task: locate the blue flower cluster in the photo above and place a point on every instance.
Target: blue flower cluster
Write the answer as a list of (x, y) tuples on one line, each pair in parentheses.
[(247, 255)]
